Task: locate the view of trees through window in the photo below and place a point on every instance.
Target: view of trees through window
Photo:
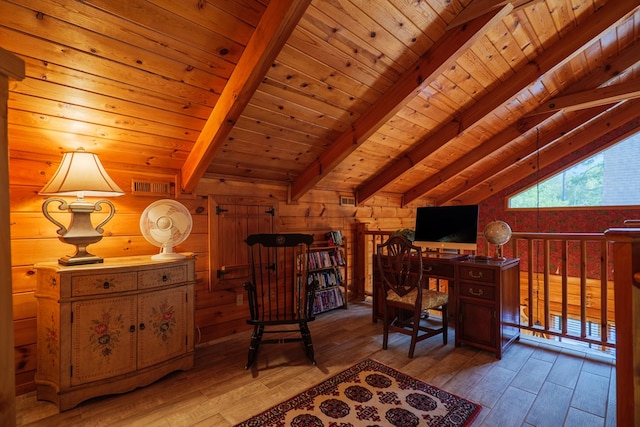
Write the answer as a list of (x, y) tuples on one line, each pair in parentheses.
[(609, 178)]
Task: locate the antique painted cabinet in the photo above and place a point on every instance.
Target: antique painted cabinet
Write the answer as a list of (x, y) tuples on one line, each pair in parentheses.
[(109, 328)]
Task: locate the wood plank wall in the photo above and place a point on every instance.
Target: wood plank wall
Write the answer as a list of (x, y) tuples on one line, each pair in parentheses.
[(34, 239)]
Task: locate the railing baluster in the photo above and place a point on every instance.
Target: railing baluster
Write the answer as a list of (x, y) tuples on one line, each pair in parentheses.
[(583, 288), (604, 294), (565, 287), (530, 270), (547, 299)]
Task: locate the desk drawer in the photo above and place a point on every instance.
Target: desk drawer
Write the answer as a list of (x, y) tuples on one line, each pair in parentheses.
[(437, 269), (477, 291), (479, 274)]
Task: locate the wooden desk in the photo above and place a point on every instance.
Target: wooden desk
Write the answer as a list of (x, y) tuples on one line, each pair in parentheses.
[(483, 295)]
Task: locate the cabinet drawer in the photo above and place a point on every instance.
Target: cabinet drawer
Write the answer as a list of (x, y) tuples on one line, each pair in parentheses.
[(103, 282), (162, 276), (477, 291), (437, 269), (478, 273)]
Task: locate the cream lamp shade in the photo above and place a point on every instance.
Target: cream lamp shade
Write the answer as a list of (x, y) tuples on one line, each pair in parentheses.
[(80, 174)]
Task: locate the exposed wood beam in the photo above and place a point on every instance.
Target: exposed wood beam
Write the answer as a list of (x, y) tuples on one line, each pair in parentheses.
[(553, 146), (591, 98), (604, 73), (560, 53), (277, 23), (440, 57), (479, 7)]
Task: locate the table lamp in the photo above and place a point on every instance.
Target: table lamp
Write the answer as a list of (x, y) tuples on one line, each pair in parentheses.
[(80, 174)]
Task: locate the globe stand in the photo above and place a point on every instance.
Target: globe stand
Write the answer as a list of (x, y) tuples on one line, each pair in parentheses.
[(497, 233)]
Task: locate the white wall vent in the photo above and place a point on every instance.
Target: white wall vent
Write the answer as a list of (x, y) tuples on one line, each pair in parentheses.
[(141, 187), (347, 201)]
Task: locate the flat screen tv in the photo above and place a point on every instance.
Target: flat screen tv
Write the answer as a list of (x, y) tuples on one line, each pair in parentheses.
[(447, 227)]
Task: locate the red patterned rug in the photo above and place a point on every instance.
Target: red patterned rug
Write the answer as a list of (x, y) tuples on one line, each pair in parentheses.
[(369, 394)]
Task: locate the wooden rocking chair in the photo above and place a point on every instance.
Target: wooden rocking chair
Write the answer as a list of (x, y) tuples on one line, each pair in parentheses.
[(279, 293)]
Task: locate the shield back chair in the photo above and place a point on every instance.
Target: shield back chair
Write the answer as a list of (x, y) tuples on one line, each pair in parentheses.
[(405, 300), (280, 296)]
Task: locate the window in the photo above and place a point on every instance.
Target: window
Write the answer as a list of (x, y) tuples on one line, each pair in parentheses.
[(609, 178)]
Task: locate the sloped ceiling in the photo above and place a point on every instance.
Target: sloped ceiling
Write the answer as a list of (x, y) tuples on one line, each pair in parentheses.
[(444, 100)]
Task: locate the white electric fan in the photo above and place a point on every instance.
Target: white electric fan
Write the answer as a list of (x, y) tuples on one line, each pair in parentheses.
[(166, 223)]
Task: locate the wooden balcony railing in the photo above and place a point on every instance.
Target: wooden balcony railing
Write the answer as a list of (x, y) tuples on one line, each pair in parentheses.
[(566, 282)]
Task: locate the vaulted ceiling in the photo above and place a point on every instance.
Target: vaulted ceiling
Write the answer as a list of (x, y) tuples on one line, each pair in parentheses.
[(449, 100)]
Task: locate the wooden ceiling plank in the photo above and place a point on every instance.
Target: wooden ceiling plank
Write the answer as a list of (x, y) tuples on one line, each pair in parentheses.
[(464, 162), (551, 59), (551, 134), (519, 166), (606, 72), (148, 28), (478, 8), (103, 118), (179, 34), (591, 98), (277, 23), (42, 50), (122, 50), (425, 71)]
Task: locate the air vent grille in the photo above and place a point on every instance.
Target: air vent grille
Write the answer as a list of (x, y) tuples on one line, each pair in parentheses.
[(347, 201), (151, 188)]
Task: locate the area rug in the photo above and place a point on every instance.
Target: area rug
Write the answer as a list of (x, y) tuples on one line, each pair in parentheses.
[(369, 394)]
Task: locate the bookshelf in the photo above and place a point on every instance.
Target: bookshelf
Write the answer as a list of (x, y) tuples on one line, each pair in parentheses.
[(328, 265)]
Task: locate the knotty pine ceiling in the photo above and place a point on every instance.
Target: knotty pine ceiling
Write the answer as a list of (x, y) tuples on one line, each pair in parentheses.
[(444, 100)]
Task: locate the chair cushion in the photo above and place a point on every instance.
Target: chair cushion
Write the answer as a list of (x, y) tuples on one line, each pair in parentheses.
[(430, 299)]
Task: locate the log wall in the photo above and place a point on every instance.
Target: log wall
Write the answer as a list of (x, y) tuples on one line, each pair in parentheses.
[(34, 239)]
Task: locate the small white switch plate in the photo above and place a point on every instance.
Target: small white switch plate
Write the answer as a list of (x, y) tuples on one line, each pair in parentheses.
[(238, 299)]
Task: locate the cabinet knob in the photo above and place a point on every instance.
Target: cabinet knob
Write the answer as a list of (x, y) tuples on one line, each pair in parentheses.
[(477, 293), (132, 328), (141, 327), (475, 275), (165, 278), (105, 285)]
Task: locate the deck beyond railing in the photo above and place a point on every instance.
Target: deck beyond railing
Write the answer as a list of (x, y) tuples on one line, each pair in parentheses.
[(566, 282)]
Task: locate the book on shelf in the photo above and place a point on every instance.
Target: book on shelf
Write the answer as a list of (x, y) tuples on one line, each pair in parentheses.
[(328, 300), (334, 237)]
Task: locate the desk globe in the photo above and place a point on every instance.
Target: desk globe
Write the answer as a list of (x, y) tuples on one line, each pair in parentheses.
[(497, 233)]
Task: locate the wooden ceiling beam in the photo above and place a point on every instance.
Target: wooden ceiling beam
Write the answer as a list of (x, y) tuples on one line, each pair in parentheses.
[(479, 7), (591, 98), (276, 25), (603, 74), (431, 65), (553, 145), (560, 53)]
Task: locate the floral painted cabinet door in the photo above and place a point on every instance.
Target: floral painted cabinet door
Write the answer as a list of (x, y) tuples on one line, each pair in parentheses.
[(162, 328), (103, 334)]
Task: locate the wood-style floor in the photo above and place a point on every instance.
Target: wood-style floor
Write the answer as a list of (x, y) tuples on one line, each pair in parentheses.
[(535, 384)]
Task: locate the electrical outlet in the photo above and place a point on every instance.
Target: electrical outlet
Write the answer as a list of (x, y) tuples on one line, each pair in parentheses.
[(238, 299)]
